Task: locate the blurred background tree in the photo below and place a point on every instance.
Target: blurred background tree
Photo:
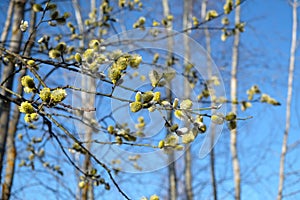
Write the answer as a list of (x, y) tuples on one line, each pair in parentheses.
[(63, 71)]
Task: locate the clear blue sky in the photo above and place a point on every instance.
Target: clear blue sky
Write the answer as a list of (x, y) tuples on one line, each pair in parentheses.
[(265, 48)]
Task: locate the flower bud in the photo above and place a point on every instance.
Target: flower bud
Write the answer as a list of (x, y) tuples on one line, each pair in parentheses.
[(78, 58), (161, 144), (114, 75), (138, 97), (27, 81), (37, 8), (45, 94), (54, 53), (188, 138), (217, 118), (58, 95), (186, 104), (148, 96), (156, 96), (230, 116), (136, 106), (175, 103), (26, 108)]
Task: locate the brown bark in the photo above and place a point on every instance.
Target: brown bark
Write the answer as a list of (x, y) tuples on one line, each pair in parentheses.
[(16, 39), (3, 40), (11, 151), (7, 22)]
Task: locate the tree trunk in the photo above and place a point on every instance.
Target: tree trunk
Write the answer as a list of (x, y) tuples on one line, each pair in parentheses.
[(209, 72), (171, 167), (288, 102), (10, 142), (7, 22), (88, 83), (87, 191), (79, 21), (233, 85), (187, 15), (16, 39)]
